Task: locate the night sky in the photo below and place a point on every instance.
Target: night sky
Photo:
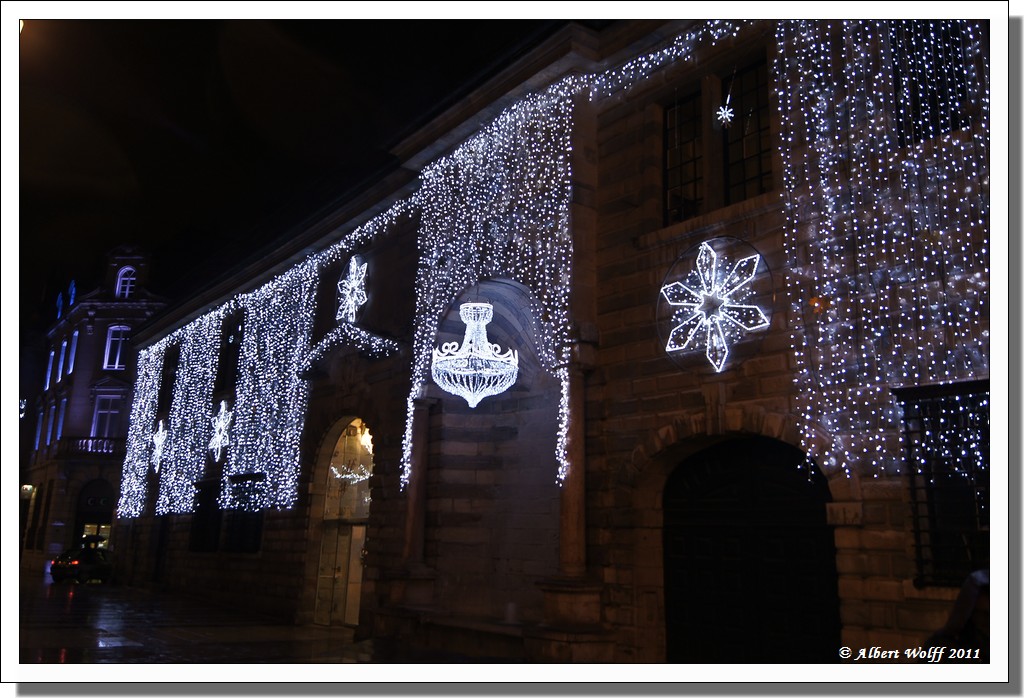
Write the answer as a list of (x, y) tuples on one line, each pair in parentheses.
[(205, 140)]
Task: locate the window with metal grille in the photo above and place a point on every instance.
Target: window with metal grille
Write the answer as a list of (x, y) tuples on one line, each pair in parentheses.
[(243, 527), (684, 168), (946, 437), (711, 161), (746, 141), (930, 77), (204, 534)]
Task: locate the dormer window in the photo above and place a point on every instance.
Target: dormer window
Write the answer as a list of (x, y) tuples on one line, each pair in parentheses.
[(125, 283)]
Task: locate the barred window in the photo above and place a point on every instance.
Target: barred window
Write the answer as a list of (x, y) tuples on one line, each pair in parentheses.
[(684, 168), (930, 76), (946, 437), (746, 142), (717, 143)]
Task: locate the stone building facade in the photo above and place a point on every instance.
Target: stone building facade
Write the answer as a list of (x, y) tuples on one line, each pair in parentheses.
[(741, 272), (73, 472)]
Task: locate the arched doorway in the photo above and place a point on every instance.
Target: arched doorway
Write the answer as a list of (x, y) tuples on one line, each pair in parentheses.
[(346, 511), (750, 563)]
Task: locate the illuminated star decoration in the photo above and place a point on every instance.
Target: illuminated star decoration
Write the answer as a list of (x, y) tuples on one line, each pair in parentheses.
[(351, 291), (725, 114), (221, 424), (159, 439), (709, 310)]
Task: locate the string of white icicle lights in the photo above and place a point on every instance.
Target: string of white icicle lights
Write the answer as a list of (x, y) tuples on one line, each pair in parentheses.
[(885, 177), (498, 207), (271, 393)]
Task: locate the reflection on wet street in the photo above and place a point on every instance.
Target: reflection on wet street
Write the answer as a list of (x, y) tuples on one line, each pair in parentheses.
[(101, 623)]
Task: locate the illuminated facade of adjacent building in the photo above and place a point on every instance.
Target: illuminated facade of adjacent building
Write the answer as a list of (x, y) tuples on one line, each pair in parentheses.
[(81, 415), (676, 350)]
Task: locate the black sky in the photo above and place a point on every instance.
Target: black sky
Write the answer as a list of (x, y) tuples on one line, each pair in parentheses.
[(203, 140)]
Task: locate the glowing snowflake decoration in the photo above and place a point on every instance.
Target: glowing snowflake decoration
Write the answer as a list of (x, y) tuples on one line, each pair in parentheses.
[(351, 291), (725, 114), (709, 307), (159, 439), (221, 425)]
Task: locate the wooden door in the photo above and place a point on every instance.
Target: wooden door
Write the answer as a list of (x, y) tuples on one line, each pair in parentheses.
[(750, 573)]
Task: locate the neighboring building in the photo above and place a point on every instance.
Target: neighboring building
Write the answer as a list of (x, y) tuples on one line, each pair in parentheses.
[(668, 344), (81, 414)]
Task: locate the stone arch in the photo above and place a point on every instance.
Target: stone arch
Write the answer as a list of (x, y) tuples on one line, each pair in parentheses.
[(319, 529), (493, 502), (651, 464)]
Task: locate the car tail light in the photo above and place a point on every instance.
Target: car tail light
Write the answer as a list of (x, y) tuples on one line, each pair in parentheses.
[(74, 562)]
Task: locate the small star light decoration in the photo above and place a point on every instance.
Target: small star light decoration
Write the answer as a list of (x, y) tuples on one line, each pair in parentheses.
[(221, 424), (725, 114), (159, 439), (710, 311), (351, 291)]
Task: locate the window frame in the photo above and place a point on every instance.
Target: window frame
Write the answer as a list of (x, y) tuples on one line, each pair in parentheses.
[(120, 360), (710, 93), (124, 287), (112, 422), (50, 413), (60, 360), (74, 350), (948, 487), (60, 418), (49, 370)]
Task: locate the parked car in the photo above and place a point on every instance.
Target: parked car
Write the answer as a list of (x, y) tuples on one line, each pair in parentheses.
[(84, 564)]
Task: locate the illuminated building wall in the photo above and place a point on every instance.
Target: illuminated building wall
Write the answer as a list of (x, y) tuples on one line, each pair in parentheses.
[(846, 260)]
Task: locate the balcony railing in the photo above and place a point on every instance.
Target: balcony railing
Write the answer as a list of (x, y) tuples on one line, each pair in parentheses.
[(79, 446)]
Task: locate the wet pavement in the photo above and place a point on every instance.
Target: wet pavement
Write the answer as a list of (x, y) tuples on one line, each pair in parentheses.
[(70, 623)]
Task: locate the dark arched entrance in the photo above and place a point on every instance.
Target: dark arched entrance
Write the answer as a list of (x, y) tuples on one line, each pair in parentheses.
[(750, 563)]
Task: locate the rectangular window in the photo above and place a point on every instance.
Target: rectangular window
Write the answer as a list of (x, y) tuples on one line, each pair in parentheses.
[(39, 428), (74, 350), (243, 527), (930, 75), (49, 371), (49, 425), (204, 535), (117, 345), (60, 417), (60, 360), (746, 141), (230, 350), (684, 167), (107, 417), (717, 147), (946, 437)]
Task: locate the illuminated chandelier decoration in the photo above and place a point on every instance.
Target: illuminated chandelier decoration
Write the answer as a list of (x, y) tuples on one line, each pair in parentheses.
[(352, 291), (159, 439), (477, 369), (709, 305), (221, 424)]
